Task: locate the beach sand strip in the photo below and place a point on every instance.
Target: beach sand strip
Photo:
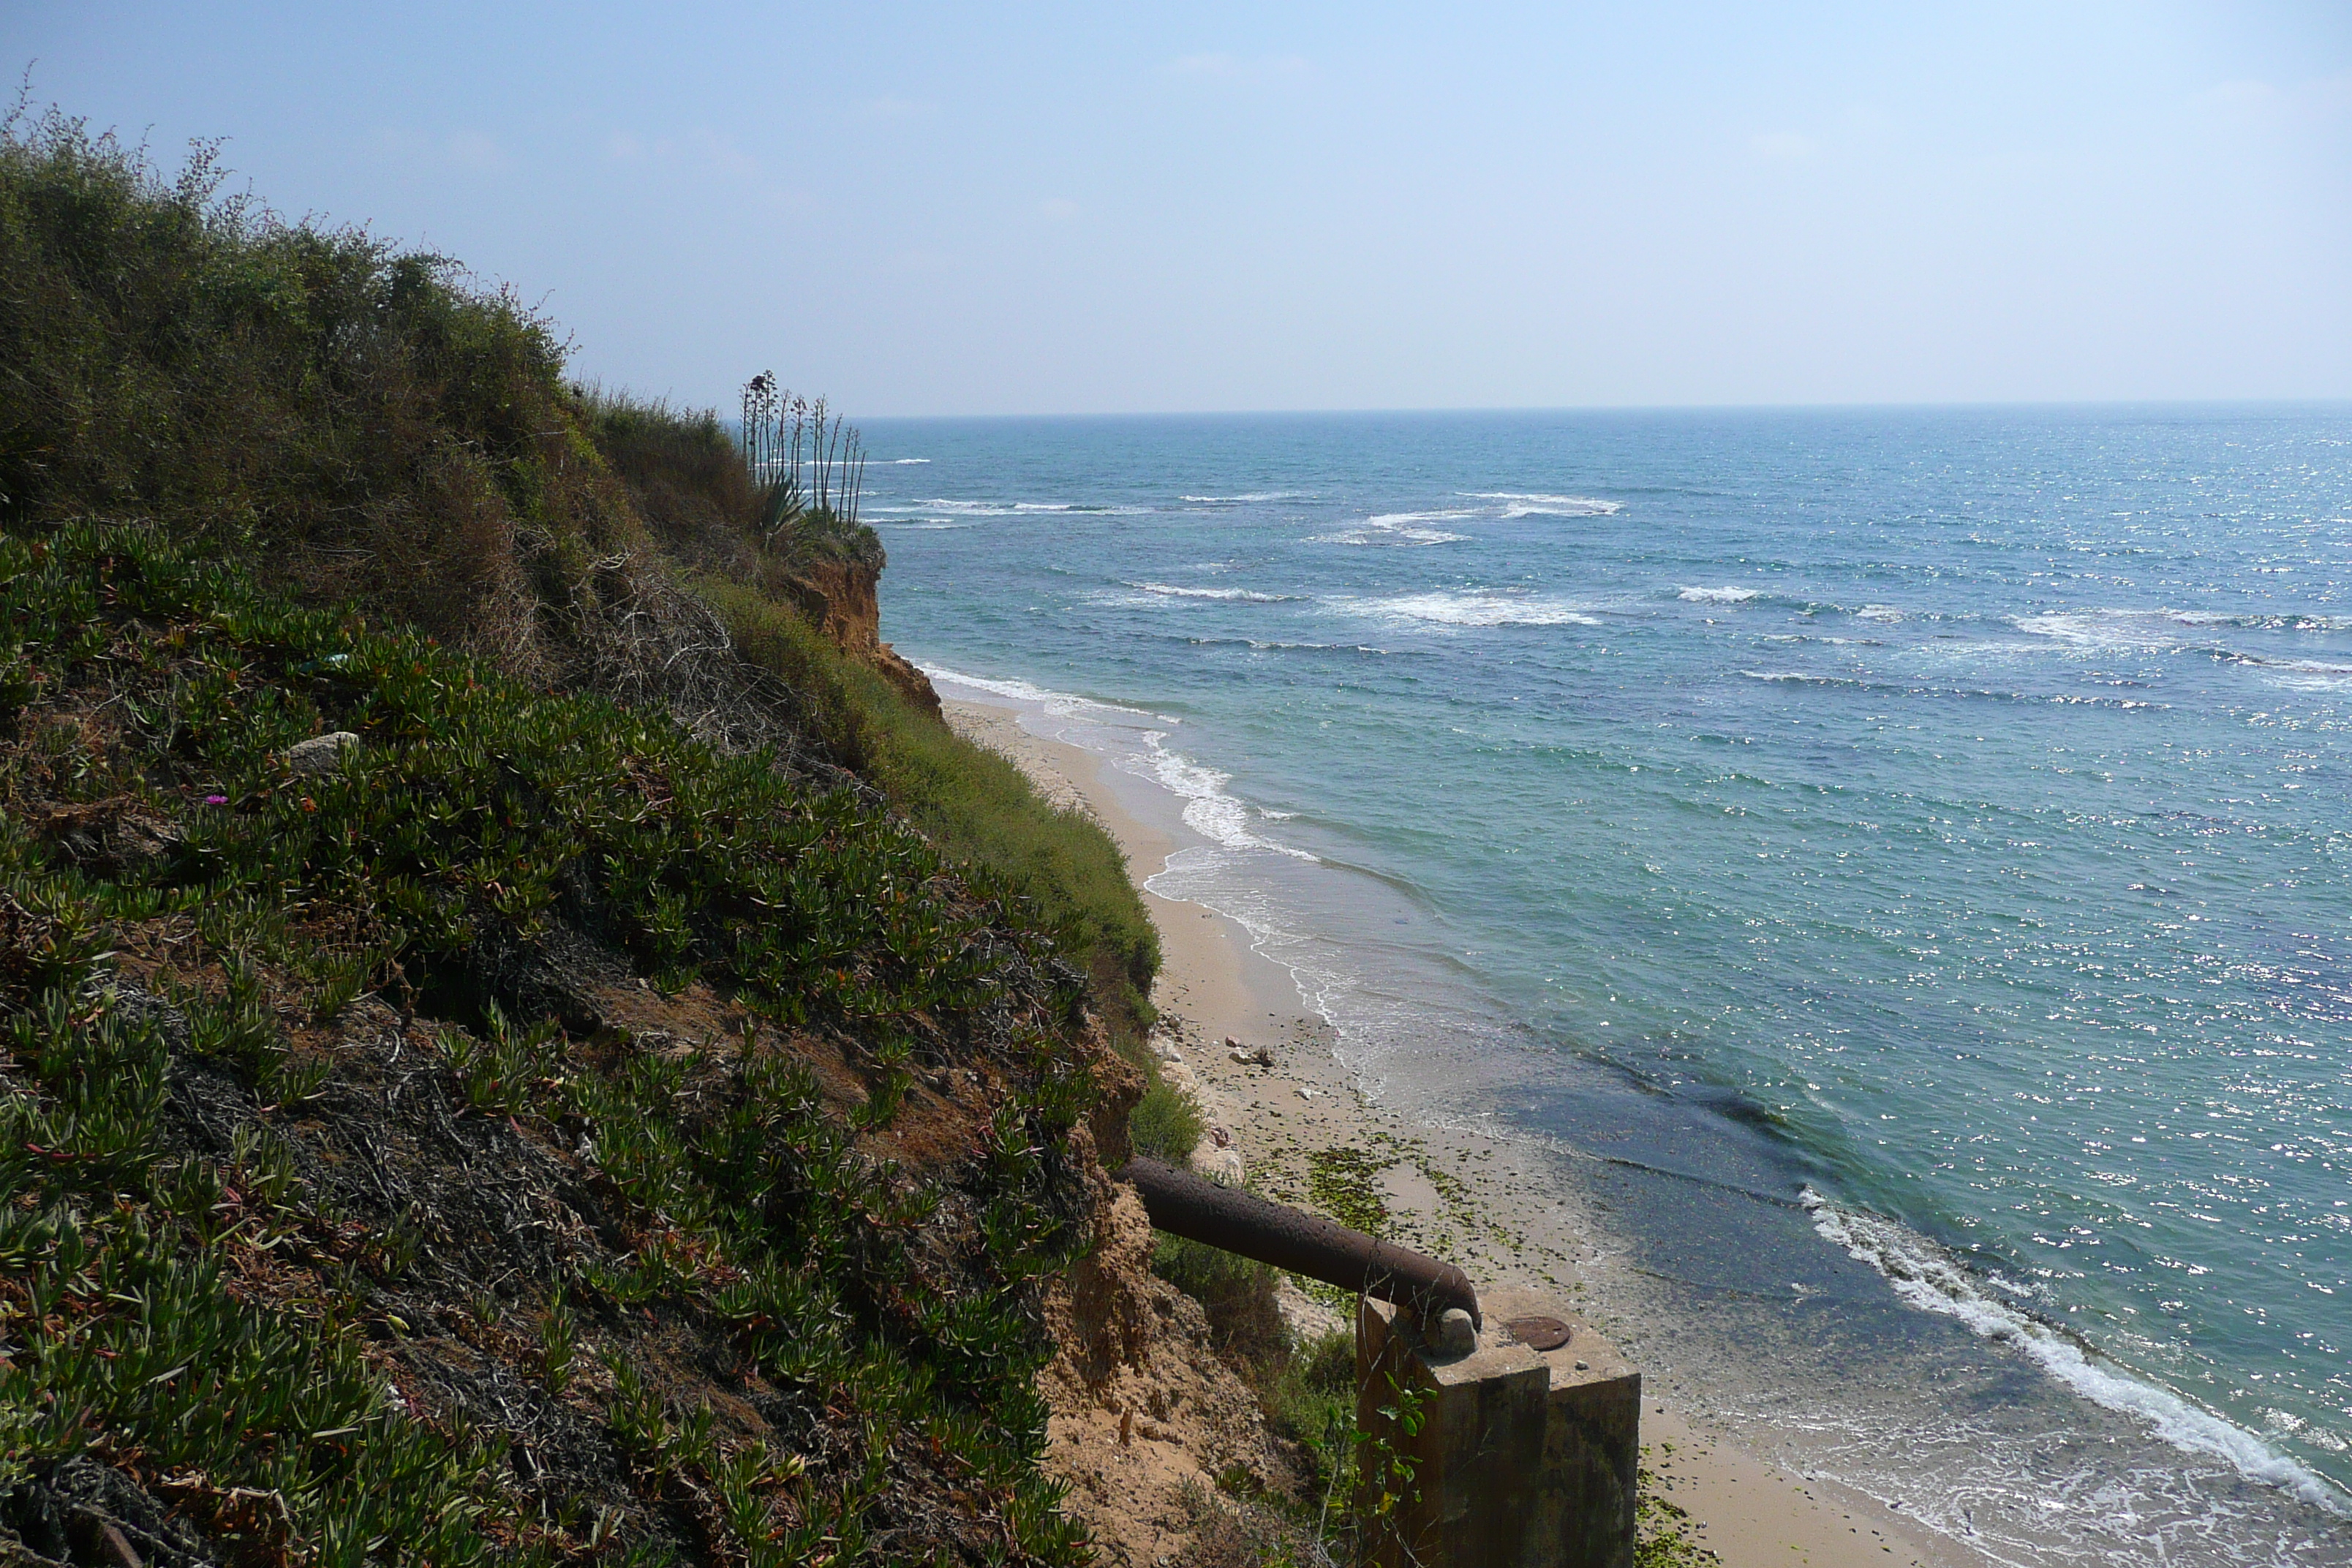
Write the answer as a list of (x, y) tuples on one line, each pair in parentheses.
[(1303, 1131)]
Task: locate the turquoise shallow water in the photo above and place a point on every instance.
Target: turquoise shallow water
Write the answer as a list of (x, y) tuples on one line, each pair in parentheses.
[(1934, 828)]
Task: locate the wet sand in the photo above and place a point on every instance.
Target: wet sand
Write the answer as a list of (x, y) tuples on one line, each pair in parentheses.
[(1454, 1192)]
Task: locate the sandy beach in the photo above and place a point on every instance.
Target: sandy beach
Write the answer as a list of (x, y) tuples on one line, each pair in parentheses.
[(1452, 1191)]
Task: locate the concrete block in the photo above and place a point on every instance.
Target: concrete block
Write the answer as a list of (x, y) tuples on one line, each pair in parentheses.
[(1520, 1457)]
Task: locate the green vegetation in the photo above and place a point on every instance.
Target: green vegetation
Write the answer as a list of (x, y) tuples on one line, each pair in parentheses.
[(1310, 1398), (1166, 1124), (1237, 1293), (361, 426), (1664, 1537), (1346, 1185), (486, 854), (350, 417), (1308, 1393), (807, 469), (620, 1107), (972, 802)]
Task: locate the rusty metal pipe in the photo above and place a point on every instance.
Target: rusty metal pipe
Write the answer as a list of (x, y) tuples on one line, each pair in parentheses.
[(1182, 1203)]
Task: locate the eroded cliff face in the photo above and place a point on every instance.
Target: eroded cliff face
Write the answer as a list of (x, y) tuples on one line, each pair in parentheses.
[(839, 599), (1143, 1408)]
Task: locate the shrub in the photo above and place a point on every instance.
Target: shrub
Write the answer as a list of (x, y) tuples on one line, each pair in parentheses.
[(1310, 1398), (359, 424), (357, 420), (1166, 1123)]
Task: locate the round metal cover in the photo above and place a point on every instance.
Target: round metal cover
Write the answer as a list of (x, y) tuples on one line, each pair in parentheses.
[(1539, 1333)]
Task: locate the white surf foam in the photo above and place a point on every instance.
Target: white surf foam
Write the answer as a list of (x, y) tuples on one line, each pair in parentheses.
[(969, 507), (1058, 704), (1110, 728), (2304, 674), (1209, 810), (1528, 503), (1930, 1278), (1242, 499), (1717, 595), (1400, 528), (2101, 628), (1478, 610), (1878, 613), (2284, 621), (1172, 591)]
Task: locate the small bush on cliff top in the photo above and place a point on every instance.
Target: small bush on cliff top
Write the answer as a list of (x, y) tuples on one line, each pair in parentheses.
[(352, 419)]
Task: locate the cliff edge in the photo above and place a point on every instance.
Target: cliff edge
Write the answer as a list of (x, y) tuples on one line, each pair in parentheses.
[(840, 599)]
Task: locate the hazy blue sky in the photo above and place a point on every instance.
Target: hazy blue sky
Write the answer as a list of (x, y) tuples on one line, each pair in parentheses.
[(1034, 208)]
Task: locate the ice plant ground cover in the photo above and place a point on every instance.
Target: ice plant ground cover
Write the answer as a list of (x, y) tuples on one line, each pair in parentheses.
[(364, 1192)]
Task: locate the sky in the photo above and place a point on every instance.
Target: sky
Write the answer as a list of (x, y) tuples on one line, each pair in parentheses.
[(1106, 208)]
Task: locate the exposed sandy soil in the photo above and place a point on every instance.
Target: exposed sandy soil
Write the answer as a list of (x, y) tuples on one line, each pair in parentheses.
[(1451, 1190), (1141, 1406)]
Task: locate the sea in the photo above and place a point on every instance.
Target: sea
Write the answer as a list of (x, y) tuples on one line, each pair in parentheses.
[(1895, 865)]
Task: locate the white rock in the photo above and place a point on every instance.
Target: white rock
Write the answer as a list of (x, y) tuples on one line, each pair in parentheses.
[(1453, 1333), (1223, 1166), (321, 754)]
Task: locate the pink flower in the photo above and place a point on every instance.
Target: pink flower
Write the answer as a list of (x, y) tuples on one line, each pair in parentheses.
[(216, 800)]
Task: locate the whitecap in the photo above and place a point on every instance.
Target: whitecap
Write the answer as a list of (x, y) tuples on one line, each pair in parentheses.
[(1717, 596), (2303, 674), (1173, 592), (1530, 504), (1242, 499), (1931, 1278), (1479, 610), (969, 507), (2281, 621), (1397, 528), (1800, 678), (1878, 613), (1399, 519), (2100, 629)]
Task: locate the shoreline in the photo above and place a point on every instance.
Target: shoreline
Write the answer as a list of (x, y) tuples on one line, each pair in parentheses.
[(1458, 1192)]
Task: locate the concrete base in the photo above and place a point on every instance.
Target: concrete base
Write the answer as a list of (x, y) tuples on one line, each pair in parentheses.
[(1517, 1457)]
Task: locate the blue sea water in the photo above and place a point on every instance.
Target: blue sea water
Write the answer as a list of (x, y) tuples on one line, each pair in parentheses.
[(1905, 857)]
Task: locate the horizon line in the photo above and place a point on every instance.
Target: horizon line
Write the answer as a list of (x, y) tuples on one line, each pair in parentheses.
[(2341, 400)]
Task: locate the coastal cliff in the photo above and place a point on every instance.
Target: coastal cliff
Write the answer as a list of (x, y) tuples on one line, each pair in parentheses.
[(841, 599), (522, 1037)]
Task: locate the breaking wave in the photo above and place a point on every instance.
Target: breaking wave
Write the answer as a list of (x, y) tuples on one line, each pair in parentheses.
[(1524, 503), (1479, 610), (1172, 591), (1399, 527), (1931, 1278)]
